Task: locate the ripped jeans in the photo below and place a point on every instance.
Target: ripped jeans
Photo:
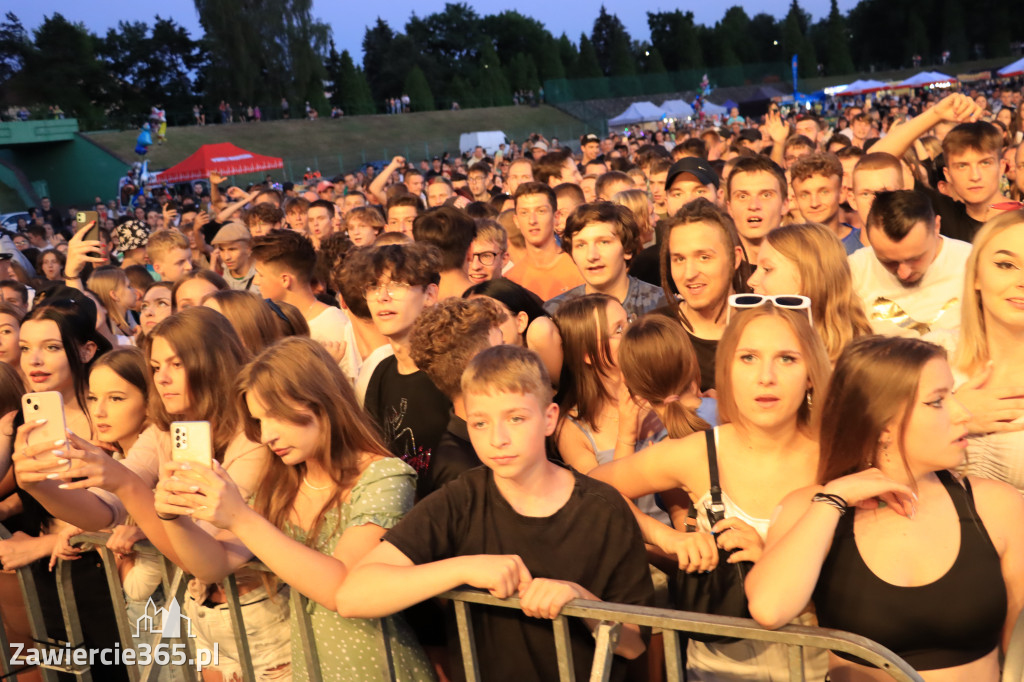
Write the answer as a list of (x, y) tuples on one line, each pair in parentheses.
[(266, 626)]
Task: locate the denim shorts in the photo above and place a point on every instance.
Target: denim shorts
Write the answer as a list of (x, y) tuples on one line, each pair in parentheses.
[(266, 626)]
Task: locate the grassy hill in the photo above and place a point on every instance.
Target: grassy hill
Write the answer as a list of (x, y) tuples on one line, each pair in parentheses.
[(345, 143)]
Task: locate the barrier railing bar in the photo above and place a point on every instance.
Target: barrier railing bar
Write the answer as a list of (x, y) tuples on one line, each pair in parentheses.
[(604, 650), (37, 626), (72, 623), (566, 665), (385, 640), (120, 614), (796, 662), (241, 638), (666, 619), (467, 641), (673, 656), (309, 650)]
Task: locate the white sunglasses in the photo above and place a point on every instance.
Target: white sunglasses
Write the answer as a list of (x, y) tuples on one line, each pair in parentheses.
[(790, 302)]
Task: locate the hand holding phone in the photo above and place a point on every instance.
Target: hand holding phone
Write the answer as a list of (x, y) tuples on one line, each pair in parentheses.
[(48, 405), (191, 443)]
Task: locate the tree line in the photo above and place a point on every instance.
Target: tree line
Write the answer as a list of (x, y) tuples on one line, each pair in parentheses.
[(269, 51)]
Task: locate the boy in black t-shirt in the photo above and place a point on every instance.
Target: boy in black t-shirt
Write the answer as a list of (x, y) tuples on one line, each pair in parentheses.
[(521, 524), (399, 281)]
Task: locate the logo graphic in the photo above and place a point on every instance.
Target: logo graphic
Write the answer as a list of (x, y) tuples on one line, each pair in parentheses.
[(166, 622)]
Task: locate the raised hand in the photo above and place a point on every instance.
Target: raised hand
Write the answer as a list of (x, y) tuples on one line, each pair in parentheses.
[(992, 409), (867, 489), (82, 251)]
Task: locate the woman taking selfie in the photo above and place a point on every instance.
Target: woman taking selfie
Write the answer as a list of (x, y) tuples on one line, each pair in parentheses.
[(191, 381), (328, 496)]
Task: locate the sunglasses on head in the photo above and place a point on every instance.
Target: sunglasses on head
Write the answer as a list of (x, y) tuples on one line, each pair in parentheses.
[(791, 302)]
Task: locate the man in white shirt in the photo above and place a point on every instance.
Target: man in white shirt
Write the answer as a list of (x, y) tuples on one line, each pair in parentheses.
[(911, 279)]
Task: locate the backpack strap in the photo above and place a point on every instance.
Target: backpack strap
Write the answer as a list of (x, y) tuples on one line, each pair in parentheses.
[(717, 510)]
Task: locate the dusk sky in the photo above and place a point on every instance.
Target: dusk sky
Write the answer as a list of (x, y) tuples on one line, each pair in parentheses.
[(349, 19)]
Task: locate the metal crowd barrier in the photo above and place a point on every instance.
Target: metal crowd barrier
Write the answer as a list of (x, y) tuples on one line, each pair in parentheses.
[(672, 625)]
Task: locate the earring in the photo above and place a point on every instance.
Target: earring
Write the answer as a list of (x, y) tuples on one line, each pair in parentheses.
[(808, 399)]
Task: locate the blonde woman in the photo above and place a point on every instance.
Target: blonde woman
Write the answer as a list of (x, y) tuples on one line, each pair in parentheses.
[(809, 260), (640, 205), (770, 362), (112, 287), (989, 365)]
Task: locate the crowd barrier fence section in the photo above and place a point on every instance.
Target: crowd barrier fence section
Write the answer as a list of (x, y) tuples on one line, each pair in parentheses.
[(671, 624)]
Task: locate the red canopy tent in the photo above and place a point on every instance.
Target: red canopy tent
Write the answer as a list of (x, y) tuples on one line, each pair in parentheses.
[(224, 158)]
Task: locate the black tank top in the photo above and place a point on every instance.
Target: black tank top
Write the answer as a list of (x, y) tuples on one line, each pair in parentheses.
[(955, 620)]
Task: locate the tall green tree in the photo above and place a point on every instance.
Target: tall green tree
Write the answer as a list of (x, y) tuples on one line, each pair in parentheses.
[(611, 43), (14, 46), (837, 55), (388, 57), (492, 88), (148, 66), (62, 69), (418, 89), (795, 41), (351, 91), (674, 34), (272, 49)]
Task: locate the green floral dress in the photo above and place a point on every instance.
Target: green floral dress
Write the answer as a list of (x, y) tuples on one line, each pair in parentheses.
[(352, 649)]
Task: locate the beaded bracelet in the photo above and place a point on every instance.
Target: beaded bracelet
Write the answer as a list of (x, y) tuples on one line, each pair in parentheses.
[(833, 501)]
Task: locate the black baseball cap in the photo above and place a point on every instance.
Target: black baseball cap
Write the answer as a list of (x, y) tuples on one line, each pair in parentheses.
[(697, 167), (589, 137)]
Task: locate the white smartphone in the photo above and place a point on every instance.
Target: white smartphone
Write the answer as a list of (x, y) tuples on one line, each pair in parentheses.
[(48, 405), (191, 442)]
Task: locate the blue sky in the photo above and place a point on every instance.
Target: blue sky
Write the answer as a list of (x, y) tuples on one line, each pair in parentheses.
[(349, 19)]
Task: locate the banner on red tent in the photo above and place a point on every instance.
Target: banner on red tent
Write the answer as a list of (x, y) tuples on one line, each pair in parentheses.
[(223, 158)]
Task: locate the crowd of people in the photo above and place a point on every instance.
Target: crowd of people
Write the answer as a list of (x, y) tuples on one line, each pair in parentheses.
[(549, 374)]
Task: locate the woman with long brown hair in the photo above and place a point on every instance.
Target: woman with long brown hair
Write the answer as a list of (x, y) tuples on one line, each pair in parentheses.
[(890, 544), (324, 501)]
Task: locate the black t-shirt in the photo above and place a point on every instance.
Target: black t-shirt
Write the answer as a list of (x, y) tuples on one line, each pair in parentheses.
[(410, 411), (705, 349), (453, 456), (956, 223), (646, 265), (592, 541)]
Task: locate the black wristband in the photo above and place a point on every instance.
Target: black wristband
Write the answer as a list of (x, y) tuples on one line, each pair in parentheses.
[(169, 517), (834, 501)]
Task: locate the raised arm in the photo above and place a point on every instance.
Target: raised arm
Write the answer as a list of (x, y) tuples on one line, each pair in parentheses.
[(380, 181), (956, 107), (781, 583)]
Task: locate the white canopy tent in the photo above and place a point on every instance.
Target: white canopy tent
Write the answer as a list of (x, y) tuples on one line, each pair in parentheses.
[(712, 109), (677, 108), (862, 87), (1014, 69), (924, 78), (638, 112)]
